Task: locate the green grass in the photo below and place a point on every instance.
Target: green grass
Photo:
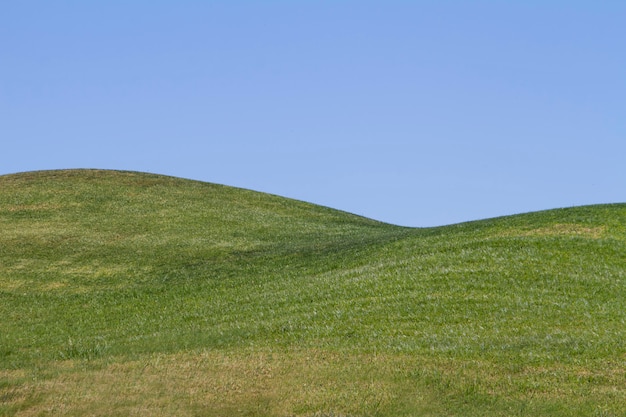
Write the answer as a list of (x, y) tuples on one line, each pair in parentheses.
[(124, 293)]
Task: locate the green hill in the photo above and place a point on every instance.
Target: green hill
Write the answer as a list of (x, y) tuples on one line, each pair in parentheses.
[(125, 293)]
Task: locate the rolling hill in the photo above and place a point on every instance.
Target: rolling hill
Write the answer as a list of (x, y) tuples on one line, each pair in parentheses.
[(125, 293)]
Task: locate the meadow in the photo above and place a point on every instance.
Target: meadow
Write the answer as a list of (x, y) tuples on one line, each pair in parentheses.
[(125, 293)]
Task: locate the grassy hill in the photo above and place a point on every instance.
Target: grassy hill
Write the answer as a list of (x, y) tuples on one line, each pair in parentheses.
[(124, 293)]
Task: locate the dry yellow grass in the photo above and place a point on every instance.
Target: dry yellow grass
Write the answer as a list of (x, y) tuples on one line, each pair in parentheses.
[(211, 383), (559, 229), (290, 383)]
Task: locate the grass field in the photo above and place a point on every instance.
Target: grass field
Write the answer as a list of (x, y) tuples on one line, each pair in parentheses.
[(124, 293)]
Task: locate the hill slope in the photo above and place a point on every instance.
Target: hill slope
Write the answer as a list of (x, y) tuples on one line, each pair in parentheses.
[(128, 293)]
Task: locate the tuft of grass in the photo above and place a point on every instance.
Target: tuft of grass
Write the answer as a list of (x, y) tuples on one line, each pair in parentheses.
[(82, 350), (128, 293)]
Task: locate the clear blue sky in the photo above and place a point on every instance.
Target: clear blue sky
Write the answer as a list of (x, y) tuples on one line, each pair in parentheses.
[(418, 113)]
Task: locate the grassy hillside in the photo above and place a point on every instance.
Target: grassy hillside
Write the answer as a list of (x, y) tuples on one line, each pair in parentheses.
[(134, 294)]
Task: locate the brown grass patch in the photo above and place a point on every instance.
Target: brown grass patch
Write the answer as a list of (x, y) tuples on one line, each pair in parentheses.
[(297, 383), (560, 229), (216, 384)]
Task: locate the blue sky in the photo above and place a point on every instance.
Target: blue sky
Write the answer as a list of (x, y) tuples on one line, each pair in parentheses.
[(417, 113)]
